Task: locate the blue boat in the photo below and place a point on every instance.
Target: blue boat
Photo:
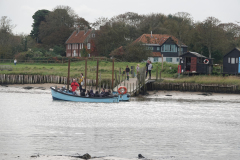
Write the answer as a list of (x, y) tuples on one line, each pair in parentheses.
[(65, 95), (123, 97)]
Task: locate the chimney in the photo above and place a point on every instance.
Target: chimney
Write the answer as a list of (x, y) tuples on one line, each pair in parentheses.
[(78, 27), (85, 29)]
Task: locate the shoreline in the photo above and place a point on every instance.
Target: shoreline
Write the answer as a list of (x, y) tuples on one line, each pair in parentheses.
[(160, 94)]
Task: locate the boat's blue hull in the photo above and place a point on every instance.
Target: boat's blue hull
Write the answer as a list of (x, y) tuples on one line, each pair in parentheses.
[(59, 95), (124, 97)]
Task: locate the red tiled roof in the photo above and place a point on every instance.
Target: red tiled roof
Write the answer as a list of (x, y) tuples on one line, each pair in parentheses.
[(118, 51), (155, 39), (156, 54), (78, 37)]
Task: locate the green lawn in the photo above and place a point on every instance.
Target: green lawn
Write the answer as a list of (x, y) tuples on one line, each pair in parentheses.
[(105, 68)]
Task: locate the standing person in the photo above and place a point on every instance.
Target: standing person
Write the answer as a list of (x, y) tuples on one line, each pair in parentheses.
[(147, 67), (138, 68), (74, 86), (81, 82), (127, 72), (150, 66), (15, 62)]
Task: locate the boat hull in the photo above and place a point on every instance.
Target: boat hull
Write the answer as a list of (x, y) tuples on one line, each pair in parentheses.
[(124, 97), (59, 95)]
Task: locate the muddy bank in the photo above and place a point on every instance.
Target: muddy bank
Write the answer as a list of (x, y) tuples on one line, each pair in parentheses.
[(201, 96)]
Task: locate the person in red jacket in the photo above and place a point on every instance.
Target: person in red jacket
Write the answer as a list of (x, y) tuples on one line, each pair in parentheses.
[(74, 86)]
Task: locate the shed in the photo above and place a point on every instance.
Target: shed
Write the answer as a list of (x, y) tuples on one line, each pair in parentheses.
[(193, 62), (231, 62)]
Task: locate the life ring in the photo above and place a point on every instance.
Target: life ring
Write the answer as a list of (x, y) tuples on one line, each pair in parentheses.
[(205, 61), (120, 90)]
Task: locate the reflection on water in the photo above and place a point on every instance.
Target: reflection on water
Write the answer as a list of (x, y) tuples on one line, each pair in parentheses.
[(31, 122)]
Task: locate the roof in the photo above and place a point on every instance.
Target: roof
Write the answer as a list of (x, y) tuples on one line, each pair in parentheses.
[(156, 54), (237, 48), (156, 39), (194, 53), (118, 51), (78, 37)]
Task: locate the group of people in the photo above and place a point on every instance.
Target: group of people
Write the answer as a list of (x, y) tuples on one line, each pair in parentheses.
[(149, 68), (87, 93)]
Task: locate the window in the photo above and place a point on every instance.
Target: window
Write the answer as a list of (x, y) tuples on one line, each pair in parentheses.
[(237, 60), (229, 60), (173, 47), (158, 48), (155, 59), (232, 60), (88, 46), (169, 48), (177, 60), (93, 35), (149, 48), (169, 59)]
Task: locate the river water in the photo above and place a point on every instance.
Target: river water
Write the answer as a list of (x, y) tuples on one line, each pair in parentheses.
[(156, 127)]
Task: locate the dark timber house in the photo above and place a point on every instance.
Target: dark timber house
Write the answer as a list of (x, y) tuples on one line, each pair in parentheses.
[(231, 62), (163, 44), (195, 63)]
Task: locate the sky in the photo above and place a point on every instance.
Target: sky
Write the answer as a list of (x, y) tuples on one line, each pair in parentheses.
[(21, 11)]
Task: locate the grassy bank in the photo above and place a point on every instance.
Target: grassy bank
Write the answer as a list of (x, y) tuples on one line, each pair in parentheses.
[(105, 68)]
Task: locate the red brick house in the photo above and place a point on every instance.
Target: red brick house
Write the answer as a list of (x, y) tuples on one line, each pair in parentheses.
[(80, 39)]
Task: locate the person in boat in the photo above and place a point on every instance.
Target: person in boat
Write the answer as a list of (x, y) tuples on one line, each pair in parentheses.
[(102, 93), (96, 94), (91, 93), (74, 86), (107, 93), (81, 82), (87, 93)]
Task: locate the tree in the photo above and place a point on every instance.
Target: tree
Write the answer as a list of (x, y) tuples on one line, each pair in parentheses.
[(136, 52), (8, 42), (57, 27), (210, 34), (84, 52), (38, 17), (110, 37)]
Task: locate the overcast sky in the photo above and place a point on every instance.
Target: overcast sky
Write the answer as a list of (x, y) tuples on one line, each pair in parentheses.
[(21, 11)]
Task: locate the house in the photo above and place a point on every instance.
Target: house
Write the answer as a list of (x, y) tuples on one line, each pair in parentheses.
[(193, 62), (80, 39), (231, 62), (163, 45)]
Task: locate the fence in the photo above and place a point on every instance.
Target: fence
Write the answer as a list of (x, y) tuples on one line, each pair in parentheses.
[(54, 60), (195, 87)]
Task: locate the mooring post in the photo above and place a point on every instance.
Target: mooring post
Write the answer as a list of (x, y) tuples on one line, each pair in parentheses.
[(68, 74), (97, 75), (112, 72), (85, 73)]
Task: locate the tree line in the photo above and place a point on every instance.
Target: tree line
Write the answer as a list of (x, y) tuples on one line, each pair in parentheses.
[(52, 28)]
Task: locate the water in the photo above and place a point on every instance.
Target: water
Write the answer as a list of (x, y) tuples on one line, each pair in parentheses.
[(31, 122)]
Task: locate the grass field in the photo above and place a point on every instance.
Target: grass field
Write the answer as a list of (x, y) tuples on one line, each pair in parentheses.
[(105, 68), (169, 71)]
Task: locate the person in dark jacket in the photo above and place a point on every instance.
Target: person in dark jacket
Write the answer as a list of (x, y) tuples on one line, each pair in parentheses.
[(127, 72), (103, 93), (91, 94), (147, 68)]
